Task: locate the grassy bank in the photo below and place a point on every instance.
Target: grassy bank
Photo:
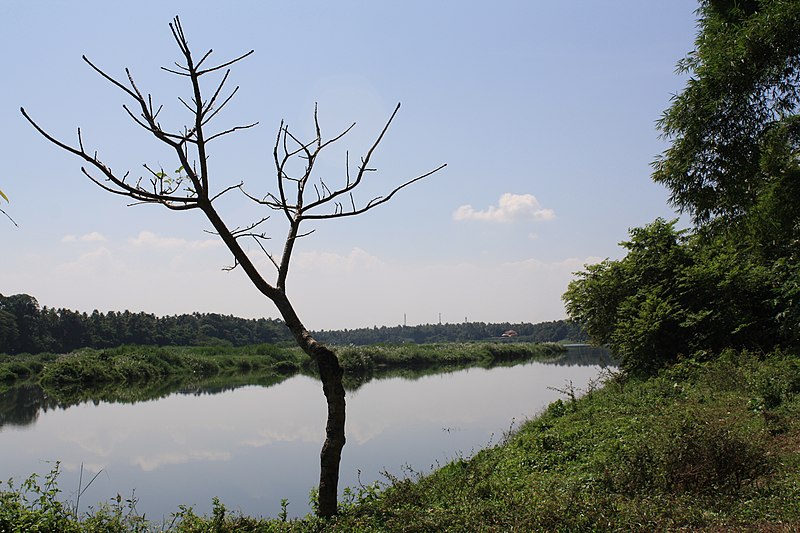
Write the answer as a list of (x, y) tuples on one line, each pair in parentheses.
[(714, 445), (706, 445), (89, 369)]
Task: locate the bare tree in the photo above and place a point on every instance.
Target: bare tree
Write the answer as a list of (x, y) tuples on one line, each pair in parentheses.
[(298, 198)]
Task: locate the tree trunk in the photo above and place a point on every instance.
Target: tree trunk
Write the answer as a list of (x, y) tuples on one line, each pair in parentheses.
[(330, 373)]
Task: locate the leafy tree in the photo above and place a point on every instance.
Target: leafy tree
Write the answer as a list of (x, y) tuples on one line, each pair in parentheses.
[(734, 163), (25, 310), (734, 129), (298, 199), (9, 332), (673, 293)]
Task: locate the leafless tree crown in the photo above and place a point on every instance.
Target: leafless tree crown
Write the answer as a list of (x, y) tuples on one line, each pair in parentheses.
[(299, 197)]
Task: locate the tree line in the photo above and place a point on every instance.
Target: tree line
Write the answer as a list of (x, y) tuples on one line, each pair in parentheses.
[(553, 331), (25, 327)]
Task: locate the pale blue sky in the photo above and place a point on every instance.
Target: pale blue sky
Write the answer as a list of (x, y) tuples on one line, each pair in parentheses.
[(544, 112)]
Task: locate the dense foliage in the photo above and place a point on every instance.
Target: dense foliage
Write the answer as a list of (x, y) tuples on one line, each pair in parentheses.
[(734, 279), (27, 328), (735, 128), (674, 294)]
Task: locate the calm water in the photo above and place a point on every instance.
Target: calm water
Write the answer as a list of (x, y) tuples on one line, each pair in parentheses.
[(254, 445)]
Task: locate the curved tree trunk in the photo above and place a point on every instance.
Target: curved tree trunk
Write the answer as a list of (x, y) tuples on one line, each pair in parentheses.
[(330, 373)]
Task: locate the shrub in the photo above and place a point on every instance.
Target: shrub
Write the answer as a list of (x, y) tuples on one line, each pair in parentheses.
[(699, 456)]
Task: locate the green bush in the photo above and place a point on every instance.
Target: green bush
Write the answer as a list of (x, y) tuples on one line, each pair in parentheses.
[(696, 455)]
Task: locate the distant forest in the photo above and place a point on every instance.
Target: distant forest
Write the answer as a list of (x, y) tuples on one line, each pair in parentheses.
[(559, 330), (27, 328)]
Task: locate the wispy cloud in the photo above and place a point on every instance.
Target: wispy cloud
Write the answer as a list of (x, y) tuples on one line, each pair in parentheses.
[(357, 259), (510, 207), (149, 239), (89, 237)]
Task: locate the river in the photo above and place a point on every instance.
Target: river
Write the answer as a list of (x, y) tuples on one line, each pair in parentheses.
[(253, 446)]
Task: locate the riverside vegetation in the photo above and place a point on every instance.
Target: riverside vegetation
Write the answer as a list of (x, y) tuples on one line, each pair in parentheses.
[(711, 444)]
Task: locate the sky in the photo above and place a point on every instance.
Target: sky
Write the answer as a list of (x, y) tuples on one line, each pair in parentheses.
[(544, 112)]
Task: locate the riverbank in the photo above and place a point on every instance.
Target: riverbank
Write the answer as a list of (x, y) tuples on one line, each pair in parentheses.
[(144, 372), (711, 445), (705, 445)]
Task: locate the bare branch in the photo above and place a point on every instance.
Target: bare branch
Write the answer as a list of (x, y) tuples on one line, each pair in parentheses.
[(352, 184), (202, 59), (187, 106), (233, 267), (109, 78), (229, 63), (252, 227), (333, 140), (139, 98), (239, 186), (222, 105), (372, 203), (258, 242), (231, 130), (177, 72), (210, 104), (11, 219), (146, 126)]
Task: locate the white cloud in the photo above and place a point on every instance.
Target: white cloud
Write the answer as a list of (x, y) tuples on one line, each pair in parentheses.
[(357, 259), (90, 263), (89, 237), (510, 207), (149, 239)]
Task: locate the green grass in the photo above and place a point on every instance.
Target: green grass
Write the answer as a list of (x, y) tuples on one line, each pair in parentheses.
[(711, 445), (88, 369), (366, 360)]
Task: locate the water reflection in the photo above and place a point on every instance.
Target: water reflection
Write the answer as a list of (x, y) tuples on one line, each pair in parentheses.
[(20, 406), (252, 445)]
